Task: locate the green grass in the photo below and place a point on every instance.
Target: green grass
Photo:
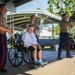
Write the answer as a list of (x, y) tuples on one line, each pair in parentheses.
[(48, 48)]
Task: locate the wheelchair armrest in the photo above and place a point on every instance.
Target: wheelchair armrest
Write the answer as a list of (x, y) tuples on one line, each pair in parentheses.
[(20, 43)]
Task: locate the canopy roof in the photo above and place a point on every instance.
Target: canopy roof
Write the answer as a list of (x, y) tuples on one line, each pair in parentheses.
[(23, 17), (16, 2), (12, 4)]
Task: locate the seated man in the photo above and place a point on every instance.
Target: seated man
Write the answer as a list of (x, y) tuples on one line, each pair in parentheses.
[(30, 41)]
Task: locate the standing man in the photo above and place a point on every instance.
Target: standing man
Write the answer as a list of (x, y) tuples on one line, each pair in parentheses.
[(64, 37), (36, 27), (3, 38)]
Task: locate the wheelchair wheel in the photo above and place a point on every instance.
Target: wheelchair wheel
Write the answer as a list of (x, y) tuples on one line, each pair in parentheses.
[(29, 60), (15, 56), (26, 58), (31, 63)]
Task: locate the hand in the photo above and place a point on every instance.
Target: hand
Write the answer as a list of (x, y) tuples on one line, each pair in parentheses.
[(39, 47), (38, 44), (10, 32), (13, 37), (34, 46)]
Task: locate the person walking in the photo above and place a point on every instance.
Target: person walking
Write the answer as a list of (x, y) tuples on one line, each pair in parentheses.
[(64, 37)]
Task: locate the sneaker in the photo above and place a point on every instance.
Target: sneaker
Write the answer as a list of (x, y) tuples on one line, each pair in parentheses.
[(46, 62), (3, 70), (37, 63), (43, 62), (59, 58)]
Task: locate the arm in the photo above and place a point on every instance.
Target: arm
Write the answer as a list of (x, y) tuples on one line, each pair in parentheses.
[(5, 30), (34, 39), (69, 23)]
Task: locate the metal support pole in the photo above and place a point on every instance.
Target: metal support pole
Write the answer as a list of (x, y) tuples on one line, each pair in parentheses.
[(40, 28), (52, 30)]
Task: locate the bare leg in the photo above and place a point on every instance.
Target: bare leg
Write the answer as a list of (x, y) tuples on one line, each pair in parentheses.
[(39, 54), (35, 54)]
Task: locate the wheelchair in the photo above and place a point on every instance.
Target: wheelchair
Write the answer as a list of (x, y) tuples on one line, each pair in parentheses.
[(17, 54)]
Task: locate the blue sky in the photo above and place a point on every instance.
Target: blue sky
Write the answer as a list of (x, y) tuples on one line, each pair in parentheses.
[(34, 5)]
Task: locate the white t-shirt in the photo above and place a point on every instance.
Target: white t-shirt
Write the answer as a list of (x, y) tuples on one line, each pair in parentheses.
[(29, 39)]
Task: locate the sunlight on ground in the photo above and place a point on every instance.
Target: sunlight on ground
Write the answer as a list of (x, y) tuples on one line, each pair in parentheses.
[(65, 66)]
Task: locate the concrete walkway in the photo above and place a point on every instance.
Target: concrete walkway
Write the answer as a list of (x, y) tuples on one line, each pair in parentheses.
[(66, 66)]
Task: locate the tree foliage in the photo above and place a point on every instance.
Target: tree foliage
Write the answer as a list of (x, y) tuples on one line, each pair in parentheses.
[(57, 30), (72, 30), (62, 6), (38, 9), (72, 33)]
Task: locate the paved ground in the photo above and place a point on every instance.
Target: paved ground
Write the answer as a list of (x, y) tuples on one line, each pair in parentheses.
[(66, 66)]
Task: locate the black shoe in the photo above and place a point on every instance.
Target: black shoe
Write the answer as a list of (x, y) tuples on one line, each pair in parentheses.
[(59, 58), (69, 57), (3, 70)]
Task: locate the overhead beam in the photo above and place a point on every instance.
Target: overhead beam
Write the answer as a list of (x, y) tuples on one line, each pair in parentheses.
[(20, 25), (18, 19), (49, 20), (18, 16), (21, 21)]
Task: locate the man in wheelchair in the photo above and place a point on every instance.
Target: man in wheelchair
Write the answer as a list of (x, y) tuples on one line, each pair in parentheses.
[(30, 41)]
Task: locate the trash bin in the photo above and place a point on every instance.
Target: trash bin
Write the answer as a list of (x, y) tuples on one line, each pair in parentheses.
[(56, 47)]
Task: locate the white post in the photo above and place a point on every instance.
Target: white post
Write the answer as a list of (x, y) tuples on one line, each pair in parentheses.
[(52, 30), (40, 27)]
